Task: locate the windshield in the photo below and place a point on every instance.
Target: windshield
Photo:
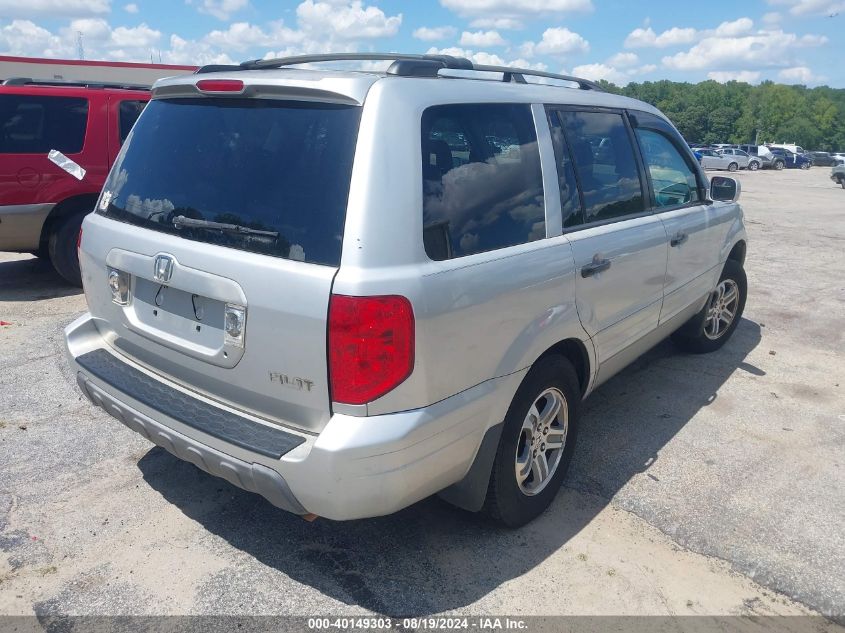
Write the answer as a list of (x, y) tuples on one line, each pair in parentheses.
[(280, 167)]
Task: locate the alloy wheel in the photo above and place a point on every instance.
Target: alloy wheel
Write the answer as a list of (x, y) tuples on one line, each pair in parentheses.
[(721, 310), (542, 439)]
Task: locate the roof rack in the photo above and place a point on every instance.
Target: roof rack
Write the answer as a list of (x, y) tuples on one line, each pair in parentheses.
[(29, 81), (405, 65)]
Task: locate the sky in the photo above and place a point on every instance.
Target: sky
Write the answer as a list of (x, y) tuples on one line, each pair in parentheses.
[(789, 41)]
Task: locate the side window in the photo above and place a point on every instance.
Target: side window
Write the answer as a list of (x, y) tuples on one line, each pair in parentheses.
[(605, 163), (672, 179), (570, 201), (482, 185), (128, 112), (35, 125)]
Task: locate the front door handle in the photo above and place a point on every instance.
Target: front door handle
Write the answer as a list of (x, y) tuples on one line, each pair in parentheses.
[(680, 238), (597, 266)]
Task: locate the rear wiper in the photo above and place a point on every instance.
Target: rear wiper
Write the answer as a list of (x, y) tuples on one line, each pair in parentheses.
[(181, 221)]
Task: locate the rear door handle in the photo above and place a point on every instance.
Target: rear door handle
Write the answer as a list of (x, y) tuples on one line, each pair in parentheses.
[(597, 266), (680, 238)]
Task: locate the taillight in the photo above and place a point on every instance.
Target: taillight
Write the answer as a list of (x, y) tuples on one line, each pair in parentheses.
[(371, 346), (79, 239), (220, 85)]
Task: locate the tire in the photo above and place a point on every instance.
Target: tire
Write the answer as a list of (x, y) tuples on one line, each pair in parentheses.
[(508, 502), (753, 165), (699, 336), (779, 165), (805, 166), (733, 167), (62, 247)]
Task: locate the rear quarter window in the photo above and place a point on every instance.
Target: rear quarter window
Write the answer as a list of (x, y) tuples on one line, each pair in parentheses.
[(32, 124), (482, 185)]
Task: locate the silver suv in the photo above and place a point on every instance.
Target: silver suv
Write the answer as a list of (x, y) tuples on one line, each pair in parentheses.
[(347, 291)]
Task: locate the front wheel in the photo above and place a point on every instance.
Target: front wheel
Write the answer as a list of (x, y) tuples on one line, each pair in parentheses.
[(733, 167), (779, 165), (538, 439), (805, 165), (753, 165), (715, 324)]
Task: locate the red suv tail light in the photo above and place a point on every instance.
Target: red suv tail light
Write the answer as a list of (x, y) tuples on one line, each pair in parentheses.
[(79, 239), (371, 346)]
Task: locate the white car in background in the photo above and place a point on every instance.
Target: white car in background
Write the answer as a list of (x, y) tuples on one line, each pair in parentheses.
[(742, 159), (718, 159)]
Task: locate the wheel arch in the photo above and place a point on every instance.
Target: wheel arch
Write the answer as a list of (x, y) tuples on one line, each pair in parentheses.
[(575, 351), (737, 252), (68, 206), (470, 492)]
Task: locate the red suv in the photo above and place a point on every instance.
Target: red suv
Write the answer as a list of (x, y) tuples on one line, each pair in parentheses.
[(44, 194)]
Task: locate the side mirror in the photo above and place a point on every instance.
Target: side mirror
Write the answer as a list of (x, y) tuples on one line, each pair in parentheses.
[(724, 189)]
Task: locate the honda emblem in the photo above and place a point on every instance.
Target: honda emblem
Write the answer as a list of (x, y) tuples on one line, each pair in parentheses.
[(163, 268)]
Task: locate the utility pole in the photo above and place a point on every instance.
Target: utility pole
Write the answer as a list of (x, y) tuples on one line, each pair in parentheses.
[(80, 50)]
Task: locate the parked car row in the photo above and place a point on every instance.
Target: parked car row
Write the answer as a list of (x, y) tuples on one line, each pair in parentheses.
[(773, 156)]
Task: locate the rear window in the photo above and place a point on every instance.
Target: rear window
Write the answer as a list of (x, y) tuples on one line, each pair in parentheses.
[(128, 113), (35, 125), (279, 170)]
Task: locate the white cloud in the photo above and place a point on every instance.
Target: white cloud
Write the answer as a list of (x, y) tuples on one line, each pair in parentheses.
[(732, 29), (131, 8), (23, 37), (514, 9), (610, 73), (482, 39), (241, 36), (343, 21), (799, 75), (53, 8), (623, 60), (597, 72), (556, 41), (322, 26), (489, 59), (772, 18), (480, 57), (502, 24), (101, 41), (761, 50), (192, 52), (811, 7), (222, 9), (647, 38), (431, 34), (724, 76)]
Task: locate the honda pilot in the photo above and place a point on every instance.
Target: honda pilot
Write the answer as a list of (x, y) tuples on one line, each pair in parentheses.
[(347, 291)]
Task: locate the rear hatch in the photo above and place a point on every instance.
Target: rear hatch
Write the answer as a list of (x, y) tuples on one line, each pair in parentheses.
[(224, 217)]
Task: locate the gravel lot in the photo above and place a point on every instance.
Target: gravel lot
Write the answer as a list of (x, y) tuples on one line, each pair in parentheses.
[(701, 485)]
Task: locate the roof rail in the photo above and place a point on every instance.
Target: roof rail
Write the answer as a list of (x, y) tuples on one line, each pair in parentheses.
[(405, 65), (29, 81)]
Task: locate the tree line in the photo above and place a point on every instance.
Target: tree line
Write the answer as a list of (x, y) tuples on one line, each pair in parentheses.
[(737, 112)]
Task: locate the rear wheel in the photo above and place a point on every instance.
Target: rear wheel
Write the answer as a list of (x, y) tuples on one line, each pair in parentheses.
[(779, 165), (733, 167), (714, 325), (537, 443), (62, 247)]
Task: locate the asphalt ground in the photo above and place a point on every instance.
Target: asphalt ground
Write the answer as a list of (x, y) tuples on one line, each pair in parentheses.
[(701, 484)]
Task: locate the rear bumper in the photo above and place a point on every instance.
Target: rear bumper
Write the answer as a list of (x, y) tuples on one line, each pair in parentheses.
[(21, 224), (355, 467)]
